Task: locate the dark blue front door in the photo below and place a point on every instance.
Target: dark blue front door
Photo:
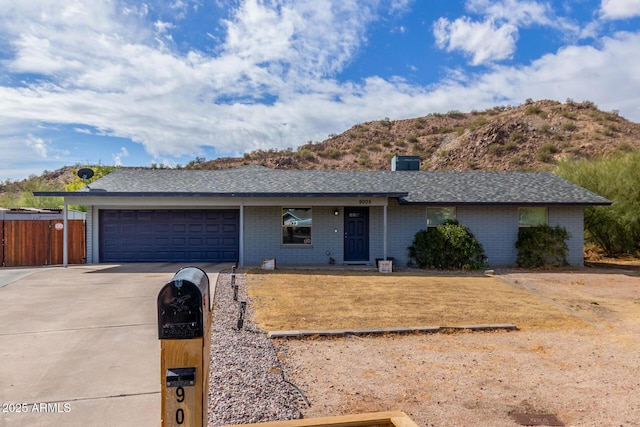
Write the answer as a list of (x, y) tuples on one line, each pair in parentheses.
[(356, 234)]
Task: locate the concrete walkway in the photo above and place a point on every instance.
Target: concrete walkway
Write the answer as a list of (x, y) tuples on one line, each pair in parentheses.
[(79, 345)]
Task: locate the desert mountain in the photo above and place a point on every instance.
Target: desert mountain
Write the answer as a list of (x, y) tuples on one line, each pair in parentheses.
[(532, 136)]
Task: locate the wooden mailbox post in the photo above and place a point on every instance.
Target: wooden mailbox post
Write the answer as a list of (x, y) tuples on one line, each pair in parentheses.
[(184, 330)]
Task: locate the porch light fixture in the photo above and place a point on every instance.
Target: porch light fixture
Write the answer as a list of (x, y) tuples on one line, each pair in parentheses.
[(336, 212)]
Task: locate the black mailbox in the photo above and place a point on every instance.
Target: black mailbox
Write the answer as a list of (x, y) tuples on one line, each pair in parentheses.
[(183, 304)]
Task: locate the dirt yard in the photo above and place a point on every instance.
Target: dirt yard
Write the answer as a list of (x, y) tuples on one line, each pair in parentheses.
[(586, 376)]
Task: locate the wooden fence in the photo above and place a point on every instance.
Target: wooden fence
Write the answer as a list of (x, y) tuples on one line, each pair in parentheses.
[(40, 242)]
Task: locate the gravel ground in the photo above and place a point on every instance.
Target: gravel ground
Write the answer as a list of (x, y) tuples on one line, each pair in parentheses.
[(246, 381)]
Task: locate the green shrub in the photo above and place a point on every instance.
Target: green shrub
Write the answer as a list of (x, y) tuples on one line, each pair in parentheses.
[(448, 246), (511, 145), (625, 147), (480, 121), (455, 114), (20, 195), (614, 115), (495, 149), (517, 136), (374, 147), (546, 152), (534, 110), (386, 123), (356, 148), (306, 155), (331, 153), (363, 159), (542, 245), (519, 159), (616, 233), (616, 228)]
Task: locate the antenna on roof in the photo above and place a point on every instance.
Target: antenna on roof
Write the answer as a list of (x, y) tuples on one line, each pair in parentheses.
[(85, 174)]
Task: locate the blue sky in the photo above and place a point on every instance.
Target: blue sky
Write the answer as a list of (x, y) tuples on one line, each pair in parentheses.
[(119, 82)]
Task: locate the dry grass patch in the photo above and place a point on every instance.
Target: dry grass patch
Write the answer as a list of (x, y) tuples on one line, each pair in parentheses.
[(318, 300)]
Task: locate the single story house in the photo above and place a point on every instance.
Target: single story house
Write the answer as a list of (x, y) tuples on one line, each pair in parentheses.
[(253, 213)]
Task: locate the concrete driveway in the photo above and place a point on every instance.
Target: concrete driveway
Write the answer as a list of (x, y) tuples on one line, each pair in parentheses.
[(79, 345)]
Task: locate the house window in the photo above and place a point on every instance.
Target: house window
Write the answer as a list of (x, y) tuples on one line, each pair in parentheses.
[(530, 217), (296, 226), (437, 216)]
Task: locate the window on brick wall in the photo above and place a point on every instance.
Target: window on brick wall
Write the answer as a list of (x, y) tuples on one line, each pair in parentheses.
[(296, 226), (436, 216), (530, 217)]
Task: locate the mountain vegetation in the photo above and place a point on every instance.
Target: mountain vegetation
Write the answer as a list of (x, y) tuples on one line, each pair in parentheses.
[(596, 149), (532, 136)]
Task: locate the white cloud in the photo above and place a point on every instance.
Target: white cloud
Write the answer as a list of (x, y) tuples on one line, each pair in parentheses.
[(38, 145), (162, 27), (297, 38), (483, 41), (604, 75), (494, 37), (619, 9), (400, 6), (113, 79), (517, 12), (103, 73), (59, 40), (141, 10), (117, 157)]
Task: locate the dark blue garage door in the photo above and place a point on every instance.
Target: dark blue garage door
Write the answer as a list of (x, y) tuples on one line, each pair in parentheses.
[(169, 235)]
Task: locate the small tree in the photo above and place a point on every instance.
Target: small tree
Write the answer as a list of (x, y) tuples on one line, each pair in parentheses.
[(448, 246), (77, 183), (615, 228), (542, 245)]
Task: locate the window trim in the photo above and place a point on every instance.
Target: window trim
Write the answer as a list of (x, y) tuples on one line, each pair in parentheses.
[(285, 209), (455, 214), (546, 216)]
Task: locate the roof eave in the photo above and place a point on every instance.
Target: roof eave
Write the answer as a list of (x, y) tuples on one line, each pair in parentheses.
[(504, 204), (97, 193)]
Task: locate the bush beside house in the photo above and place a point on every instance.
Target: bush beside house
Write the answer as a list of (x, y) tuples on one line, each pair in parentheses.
[(450, 245), (542, 245)]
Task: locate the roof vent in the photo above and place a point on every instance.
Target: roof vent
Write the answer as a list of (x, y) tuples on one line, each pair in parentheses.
[(405, 163)]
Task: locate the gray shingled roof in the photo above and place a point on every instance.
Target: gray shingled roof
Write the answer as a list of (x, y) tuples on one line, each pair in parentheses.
[(411, 187)]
